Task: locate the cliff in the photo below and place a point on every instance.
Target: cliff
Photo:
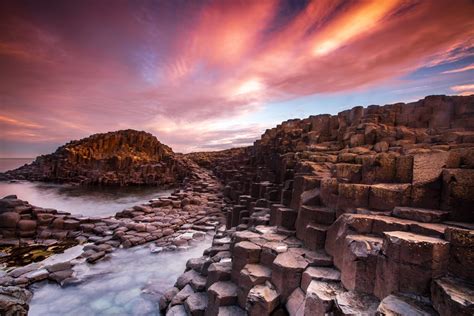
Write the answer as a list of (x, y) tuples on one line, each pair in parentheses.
[(125, 157), (369, 211)]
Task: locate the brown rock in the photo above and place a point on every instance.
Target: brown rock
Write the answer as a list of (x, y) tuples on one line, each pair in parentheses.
[(353, 303), (320, 274), (262, 300), (409, 264), (320, 297), (286, 273), (9, 219), (360, 261), (451, 296)]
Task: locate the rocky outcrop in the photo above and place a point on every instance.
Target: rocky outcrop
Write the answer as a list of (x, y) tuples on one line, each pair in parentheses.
[(364, 212), (125, 157)]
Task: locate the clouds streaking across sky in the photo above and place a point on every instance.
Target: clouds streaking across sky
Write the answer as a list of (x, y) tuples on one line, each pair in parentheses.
[(206, 75)]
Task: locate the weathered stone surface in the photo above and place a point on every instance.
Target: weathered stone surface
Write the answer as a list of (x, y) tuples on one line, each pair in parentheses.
[(409, 263), (186, 278), (461, 252), (219, 271), (319, 273), (320, 297), (230, 311), (286, 273), (182, 295), (360, 261), (352, 195), (427, 167), (222, 293), (166, 298), (420, 215), (458, 194), (400, 305), (14, 300), (452, 297), (254, 274), (295, 302), (387, 196), (262, 300), (196, 304), (244, 252), (353, 303), (177, 310), (9, 219)]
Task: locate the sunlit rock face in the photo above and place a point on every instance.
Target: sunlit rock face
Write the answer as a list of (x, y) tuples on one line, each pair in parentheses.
[(125, 157)]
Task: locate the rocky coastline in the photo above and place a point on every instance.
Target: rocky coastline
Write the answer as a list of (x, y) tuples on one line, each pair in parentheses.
[(365, 212), (164, 224)]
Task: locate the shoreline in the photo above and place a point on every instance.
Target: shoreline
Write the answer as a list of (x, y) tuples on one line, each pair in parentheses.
[(163, 224)]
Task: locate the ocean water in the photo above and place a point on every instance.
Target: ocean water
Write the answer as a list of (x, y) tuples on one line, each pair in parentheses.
[(78, 200), (129, 283)]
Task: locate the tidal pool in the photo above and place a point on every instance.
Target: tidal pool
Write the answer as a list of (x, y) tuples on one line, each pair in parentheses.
[(129, 283), (81, 200)]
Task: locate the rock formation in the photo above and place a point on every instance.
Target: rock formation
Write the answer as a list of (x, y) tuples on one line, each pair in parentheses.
[(125, 157), (366, 212), (369, 211)]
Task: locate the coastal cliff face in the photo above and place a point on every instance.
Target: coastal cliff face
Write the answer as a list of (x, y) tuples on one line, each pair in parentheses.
[(366, 212), (125, 157)]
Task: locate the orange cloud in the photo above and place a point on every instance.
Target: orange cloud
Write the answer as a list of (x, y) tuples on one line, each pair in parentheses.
[(464, 87), (12, 121), (462, 69), (194, 62)]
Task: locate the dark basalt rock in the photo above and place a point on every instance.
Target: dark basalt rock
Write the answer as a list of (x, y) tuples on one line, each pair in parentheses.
[(125, 157)]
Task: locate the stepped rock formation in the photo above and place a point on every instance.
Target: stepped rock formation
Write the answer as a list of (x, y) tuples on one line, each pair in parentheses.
[(125, 157), (368, 212)]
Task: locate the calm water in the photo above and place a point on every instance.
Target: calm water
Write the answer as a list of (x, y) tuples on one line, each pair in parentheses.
[(81, 200), (130, 283), (13, 163)]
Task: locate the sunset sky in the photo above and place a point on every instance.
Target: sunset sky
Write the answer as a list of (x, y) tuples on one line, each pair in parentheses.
[(207, 75)]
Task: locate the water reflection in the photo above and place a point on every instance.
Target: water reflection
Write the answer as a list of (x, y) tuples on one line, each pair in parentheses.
[(81, 200), (130, 283)]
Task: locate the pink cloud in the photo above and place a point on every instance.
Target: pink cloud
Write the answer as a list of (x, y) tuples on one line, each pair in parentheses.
[(99, 66)]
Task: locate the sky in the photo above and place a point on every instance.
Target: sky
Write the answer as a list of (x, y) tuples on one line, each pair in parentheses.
[(210, 75)]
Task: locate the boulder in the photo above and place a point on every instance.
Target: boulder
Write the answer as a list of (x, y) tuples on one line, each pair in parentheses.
[(196, 304), (14, 300), (9, 219)]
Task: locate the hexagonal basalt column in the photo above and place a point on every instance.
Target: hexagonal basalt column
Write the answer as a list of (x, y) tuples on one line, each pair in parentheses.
[(286, 273)]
